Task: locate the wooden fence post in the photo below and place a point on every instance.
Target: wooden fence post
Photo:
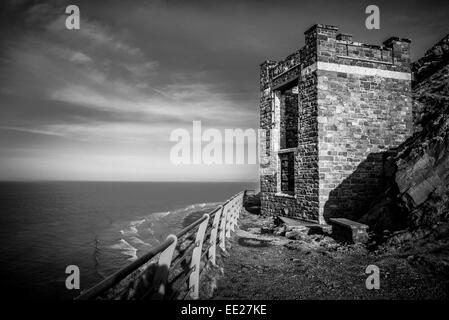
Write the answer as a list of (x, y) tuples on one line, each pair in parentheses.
[(194, 279), (232, 218), (161, 274), (228, 221), (213, 236), (239, 211), (237, 207), (222, 234)]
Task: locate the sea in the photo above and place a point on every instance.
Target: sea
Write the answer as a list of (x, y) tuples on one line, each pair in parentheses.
[(99, 227)]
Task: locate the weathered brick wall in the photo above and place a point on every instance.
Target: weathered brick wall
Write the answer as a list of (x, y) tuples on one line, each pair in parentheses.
[(307, 186), (295, 69), (360, 117), (304, 144), (354, 104), (267, 172)]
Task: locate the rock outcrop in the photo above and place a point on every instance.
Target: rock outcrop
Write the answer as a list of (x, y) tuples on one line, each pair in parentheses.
[(417, 193)]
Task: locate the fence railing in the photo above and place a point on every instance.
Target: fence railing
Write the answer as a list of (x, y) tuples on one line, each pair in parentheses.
[(172, 270)]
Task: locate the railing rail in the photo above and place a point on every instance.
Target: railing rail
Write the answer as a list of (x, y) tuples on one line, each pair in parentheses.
[(181, 259)]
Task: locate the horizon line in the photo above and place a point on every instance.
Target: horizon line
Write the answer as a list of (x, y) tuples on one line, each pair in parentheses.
[(139, 181)]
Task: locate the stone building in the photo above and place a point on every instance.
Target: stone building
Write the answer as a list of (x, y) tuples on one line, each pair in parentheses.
[(332, 111)]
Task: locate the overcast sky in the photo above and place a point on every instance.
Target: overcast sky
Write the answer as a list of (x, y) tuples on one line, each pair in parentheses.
[(99, 103)]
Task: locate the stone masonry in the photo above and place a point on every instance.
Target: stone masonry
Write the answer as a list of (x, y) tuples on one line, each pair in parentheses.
[(332, 112)]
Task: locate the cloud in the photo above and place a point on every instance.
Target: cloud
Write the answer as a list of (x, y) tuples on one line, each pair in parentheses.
[(29, 130), (80, 58), (137, 70), (97, 102)]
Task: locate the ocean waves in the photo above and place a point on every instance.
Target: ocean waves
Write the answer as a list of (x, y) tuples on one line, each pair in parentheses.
[(135, 237), (126, 249)]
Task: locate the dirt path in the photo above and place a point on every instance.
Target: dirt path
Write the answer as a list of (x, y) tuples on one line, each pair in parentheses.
[(265, 266)]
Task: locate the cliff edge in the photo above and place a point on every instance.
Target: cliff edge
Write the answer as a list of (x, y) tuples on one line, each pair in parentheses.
[(416, 193)]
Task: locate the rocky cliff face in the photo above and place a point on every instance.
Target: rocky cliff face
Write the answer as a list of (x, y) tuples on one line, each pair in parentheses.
[(417, 193)]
